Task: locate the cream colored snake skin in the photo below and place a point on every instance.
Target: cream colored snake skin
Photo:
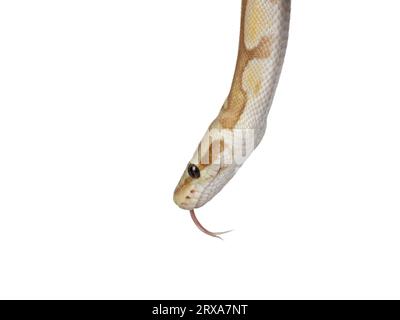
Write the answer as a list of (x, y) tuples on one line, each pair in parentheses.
[(242, 121)]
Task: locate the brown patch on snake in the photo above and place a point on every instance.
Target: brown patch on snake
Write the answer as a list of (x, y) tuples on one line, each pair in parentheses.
[(237, 99), (215, 148)]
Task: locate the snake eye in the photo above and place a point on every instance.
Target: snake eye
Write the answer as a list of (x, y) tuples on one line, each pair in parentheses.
[(193, 171)]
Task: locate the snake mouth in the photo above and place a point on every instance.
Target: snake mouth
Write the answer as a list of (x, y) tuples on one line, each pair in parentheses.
[(204, 230)]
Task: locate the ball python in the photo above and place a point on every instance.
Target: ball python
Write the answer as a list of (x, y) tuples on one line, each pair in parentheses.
[(242, 120)]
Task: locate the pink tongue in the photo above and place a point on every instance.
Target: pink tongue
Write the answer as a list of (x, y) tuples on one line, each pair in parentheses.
[(202, 229)]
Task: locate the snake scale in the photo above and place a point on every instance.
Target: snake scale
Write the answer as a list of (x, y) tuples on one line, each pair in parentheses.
[(242, 121)]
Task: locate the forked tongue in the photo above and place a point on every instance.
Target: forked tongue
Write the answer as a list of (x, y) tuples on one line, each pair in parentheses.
[(202, 229)]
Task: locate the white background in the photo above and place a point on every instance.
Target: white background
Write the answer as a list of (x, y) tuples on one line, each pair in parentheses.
[(102, 104)]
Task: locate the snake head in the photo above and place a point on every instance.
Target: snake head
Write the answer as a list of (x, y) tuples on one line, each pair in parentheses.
[(191, 190), (210, 169)]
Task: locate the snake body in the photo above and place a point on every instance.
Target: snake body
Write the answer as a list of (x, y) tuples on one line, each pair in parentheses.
[(242, 121)]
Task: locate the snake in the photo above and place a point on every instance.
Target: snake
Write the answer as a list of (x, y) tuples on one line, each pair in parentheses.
[(242, 121)]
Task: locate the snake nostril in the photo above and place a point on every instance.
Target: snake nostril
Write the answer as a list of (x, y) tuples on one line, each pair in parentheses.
[(188, 198), (192, 191)]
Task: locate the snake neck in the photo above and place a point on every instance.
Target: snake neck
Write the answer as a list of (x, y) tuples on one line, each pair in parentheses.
[(262, 46)]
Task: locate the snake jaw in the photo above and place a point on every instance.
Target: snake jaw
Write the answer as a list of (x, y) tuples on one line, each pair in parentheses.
[(204, 230)]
